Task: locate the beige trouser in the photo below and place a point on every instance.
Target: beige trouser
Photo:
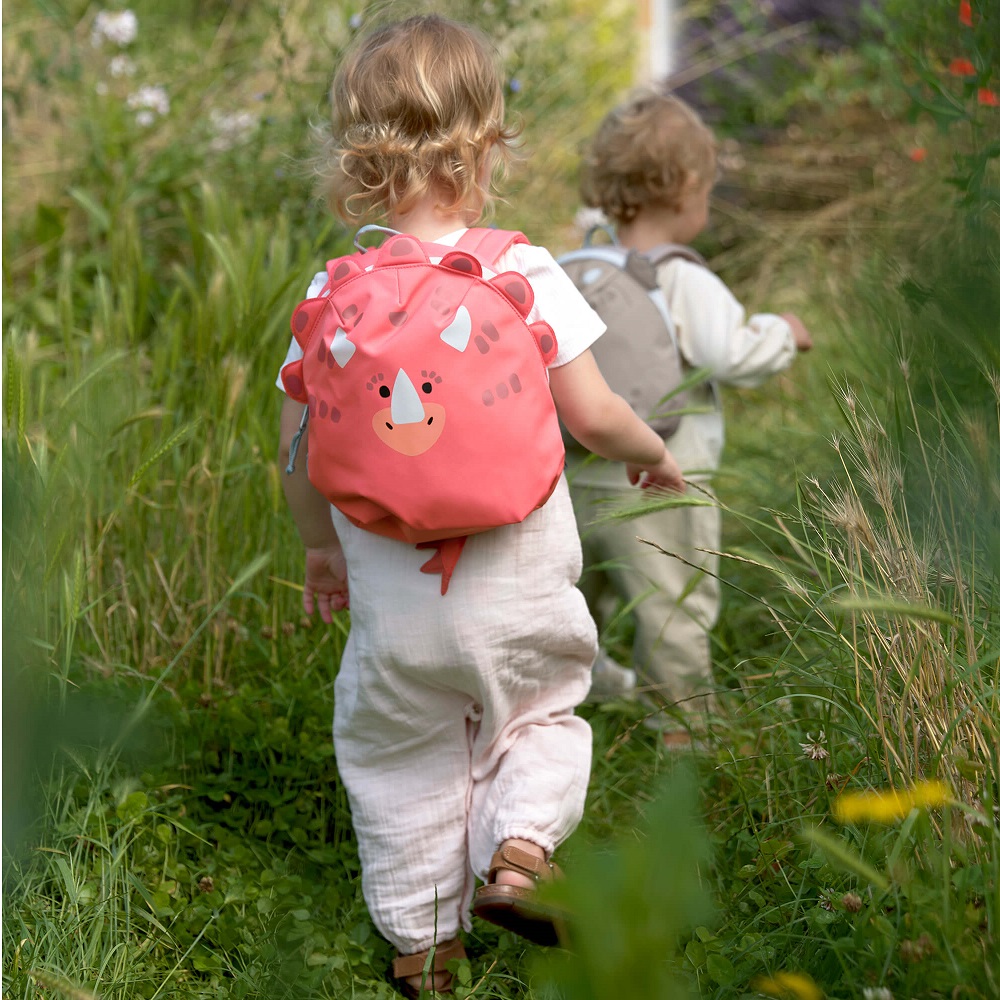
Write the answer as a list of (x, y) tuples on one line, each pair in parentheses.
[(677, 604), (453, 724)]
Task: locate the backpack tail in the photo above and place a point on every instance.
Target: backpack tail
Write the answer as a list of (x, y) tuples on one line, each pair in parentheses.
[(445, 558)]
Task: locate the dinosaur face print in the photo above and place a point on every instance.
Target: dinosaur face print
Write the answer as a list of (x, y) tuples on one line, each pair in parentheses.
[(411, 423)]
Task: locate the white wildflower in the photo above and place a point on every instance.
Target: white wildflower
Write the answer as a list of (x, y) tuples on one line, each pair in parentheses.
[(355, 22), (730, 156), (149, 102), (813, 749), (876, 993), (120, 27), (121, 66), (587, 218), (231, 129)]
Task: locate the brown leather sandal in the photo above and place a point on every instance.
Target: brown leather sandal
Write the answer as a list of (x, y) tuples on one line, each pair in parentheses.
[(405, 966), (515, 907)]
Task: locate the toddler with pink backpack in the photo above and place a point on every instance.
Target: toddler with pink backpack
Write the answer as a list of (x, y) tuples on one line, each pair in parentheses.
[(425, 382)]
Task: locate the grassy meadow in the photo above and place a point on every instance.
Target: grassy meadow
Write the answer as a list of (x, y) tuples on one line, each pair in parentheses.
[(173, 823)]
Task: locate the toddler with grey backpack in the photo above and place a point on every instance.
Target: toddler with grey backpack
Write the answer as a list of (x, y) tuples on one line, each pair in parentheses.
[(675, 333)]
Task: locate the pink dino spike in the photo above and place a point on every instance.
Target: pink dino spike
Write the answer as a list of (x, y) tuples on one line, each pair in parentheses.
[(292, 380), (340, 270), (444, 559), (463, 262), (401, 249), (515, 287), (545, 339), (304, 319)]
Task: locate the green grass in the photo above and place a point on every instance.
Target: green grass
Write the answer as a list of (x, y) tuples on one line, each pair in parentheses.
[(173, 821)]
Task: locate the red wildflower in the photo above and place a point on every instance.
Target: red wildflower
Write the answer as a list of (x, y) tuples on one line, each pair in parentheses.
[(918, 154), (988, 97), (965, 12), (961, 67)]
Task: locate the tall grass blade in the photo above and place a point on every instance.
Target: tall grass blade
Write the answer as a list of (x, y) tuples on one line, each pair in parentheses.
[(889, 606), (838, 853)]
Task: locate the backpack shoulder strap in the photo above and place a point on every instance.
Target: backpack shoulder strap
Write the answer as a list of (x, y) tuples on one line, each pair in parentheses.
[(668, 251), (489, 245)]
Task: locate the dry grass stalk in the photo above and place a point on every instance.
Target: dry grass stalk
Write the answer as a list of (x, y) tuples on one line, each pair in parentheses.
[(910, 617)]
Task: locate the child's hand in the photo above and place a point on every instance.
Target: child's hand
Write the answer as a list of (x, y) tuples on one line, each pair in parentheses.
[(803, 339), (665, 475), (326, 582)]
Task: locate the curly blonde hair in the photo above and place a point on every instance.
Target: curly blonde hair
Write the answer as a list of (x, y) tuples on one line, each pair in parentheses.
[(646, 152), (417, 106)]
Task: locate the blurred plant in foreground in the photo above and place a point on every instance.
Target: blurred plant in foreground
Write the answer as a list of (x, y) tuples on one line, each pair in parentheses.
[(788, 986), (929, 916), (633, 904)]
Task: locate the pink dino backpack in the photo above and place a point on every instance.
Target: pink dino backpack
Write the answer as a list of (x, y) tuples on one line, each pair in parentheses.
[(428, 407)]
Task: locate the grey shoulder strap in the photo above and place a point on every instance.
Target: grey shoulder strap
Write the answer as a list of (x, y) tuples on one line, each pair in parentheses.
[(667, 251)]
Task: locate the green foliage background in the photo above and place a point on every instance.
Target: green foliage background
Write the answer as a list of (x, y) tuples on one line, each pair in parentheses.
[(173, 821)]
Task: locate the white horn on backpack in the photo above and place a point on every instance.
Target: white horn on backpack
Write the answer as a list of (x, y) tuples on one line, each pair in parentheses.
[(406, 405), (456, 334)]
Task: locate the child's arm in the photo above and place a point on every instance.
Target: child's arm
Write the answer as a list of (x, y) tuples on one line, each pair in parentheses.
[(716, 333), (605, 424), (326, 571)]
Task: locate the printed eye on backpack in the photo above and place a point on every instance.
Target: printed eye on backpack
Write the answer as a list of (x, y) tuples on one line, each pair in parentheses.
[(429, 411)]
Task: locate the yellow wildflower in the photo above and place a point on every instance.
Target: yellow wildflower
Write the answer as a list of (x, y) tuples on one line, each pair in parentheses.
[(884, 807), (788, 986)]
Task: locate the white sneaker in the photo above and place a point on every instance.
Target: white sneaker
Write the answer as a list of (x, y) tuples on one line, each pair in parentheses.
[(609, 680)]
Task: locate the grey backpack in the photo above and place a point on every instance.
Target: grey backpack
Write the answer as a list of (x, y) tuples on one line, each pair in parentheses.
[(638, 355)]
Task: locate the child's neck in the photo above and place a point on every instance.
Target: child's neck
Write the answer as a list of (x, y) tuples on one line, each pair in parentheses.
[(428, 221), (648, 230)]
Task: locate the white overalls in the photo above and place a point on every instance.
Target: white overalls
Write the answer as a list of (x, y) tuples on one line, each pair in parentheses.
[(453, 721)]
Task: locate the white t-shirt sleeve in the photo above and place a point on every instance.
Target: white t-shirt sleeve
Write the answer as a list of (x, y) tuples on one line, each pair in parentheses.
[(294, 350), (557, 301)]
